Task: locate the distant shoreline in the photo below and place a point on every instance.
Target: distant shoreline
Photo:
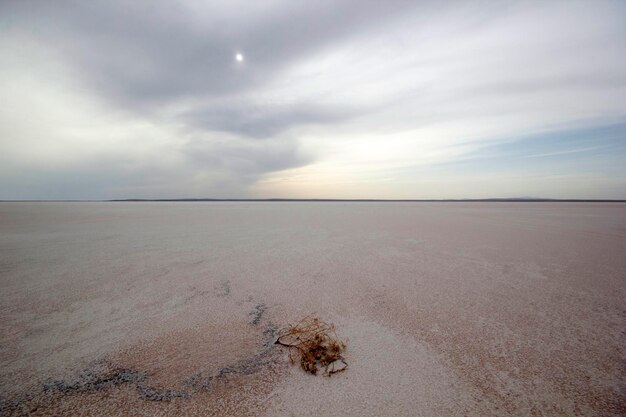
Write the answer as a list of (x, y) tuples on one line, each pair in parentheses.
[(324, 200)]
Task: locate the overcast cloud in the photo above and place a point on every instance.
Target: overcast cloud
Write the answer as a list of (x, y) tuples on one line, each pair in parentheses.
[(333, 99)]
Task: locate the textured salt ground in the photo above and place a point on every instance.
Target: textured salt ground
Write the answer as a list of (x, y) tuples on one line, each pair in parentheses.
[(187, 372), (449, 309)]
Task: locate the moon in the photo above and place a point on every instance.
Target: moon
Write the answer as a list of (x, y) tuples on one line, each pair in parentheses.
[(239, 57)]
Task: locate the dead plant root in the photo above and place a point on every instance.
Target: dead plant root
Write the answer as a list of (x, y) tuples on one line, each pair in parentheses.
[(317, 345)]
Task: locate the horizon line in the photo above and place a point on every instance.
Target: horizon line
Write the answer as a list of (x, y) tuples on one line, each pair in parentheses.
[(355, 200)]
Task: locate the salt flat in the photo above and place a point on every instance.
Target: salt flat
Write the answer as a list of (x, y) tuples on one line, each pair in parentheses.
[(447, 308)]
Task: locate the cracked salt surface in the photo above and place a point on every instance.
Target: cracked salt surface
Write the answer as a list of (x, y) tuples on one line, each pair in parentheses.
[(448, 309)]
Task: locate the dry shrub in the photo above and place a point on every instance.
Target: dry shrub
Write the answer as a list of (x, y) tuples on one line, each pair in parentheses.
[(317, 344)]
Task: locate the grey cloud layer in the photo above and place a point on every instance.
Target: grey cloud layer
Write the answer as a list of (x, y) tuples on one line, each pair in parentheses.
[(246, 159), (146, 55), (263, 121), (311, 69), (143, 56), (152, 52)]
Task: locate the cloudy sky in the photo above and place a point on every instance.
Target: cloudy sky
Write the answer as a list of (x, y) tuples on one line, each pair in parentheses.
[(328, 99)]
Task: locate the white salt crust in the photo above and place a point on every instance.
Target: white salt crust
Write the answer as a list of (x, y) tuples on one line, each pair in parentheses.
[(448, 309)]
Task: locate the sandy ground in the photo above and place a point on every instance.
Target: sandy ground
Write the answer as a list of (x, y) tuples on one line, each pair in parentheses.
[(448, 309)]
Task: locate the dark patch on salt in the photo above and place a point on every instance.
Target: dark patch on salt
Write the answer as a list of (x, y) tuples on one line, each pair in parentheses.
[(153, 394), (89, 380), (223, 289), (257, 313)]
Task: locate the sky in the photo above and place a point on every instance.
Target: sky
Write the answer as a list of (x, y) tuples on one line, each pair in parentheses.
[(312, 99)]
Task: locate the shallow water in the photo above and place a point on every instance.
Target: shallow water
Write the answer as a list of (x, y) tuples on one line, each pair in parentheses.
[(447, 308)]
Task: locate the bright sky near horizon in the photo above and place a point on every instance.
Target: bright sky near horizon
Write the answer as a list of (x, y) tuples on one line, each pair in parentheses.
[(324, 99)]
